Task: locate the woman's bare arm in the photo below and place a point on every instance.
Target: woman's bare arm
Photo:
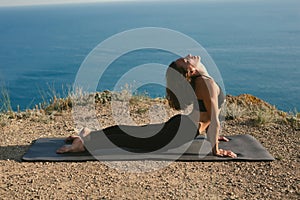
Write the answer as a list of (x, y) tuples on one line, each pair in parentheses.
[(213, 111)]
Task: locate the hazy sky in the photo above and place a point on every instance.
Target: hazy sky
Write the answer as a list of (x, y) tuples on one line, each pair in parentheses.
[(44, 2)]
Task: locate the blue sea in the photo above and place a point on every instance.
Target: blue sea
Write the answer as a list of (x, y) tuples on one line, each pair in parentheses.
[(255, 45)]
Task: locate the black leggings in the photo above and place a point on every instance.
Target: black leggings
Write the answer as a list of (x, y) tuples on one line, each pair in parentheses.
[(138, 138)]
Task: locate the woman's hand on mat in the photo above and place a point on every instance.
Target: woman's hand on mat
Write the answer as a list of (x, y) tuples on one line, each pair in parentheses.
[(222, 138), (76, 145), (226, 153)]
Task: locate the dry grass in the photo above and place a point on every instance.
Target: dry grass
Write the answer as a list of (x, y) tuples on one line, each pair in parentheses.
[(245, 106), (5, 101), (257, 111)]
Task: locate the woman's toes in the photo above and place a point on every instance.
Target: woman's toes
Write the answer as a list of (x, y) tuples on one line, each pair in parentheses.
[(64, 149), (222, 138)]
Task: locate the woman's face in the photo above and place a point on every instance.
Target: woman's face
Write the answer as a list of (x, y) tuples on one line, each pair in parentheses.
[(189, 64)]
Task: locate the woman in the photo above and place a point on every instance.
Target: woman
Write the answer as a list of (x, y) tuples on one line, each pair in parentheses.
[(209, 99), (203, 117)]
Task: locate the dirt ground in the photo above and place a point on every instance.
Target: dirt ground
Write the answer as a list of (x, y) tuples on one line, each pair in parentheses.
[(278, 179)]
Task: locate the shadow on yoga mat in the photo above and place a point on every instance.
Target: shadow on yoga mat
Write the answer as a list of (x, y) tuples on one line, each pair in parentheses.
[(245, 146)]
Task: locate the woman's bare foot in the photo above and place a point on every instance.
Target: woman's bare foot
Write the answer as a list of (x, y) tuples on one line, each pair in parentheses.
[(226, 153), (75, 143), (76, 146)]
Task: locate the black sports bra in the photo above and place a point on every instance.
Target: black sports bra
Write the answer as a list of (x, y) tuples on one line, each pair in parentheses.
[(201, 106)]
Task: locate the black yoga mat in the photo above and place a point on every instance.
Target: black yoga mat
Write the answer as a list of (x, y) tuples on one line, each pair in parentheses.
[(245, 146)]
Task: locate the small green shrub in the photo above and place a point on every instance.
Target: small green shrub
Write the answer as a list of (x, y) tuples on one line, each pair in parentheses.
[(265, 117), (233, 111), (103, 97), (294, 119), (142, 110)]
